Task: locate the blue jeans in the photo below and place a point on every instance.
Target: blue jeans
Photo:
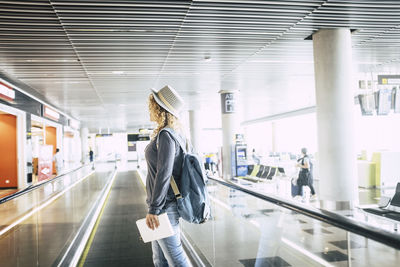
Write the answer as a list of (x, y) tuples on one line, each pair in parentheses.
[(169, 251)]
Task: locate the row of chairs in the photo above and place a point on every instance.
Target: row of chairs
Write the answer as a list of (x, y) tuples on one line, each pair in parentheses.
[(264, 172)]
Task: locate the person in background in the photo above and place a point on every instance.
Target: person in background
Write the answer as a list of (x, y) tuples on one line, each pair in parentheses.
[(164, 159), (59, 161), (255, 157), (209, 165), (91, 155), (305, 174)]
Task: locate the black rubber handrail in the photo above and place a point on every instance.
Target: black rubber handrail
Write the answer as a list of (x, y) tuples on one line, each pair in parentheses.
[(360, 228), (32, 187)]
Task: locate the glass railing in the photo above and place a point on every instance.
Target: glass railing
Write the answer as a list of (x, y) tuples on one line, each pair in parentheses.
[(37, 228), (58, 180), (249, 229)]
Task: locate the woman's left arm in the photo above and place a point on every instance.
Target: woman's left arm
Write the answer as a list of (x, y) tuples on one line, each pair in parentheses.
[(165, 164)]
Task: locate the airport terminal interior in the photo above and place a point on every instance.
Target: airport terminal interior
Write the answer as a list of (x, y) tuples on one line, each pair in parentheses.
[(271, 90)]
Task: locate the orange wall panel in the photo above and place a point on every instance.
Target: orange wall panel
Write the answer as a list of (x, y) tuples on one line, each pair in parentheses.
[(8, 151), (51, 139)]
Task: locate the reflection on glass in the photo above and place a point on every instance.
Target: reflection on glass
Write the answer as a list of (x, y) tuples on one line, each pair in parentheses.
[(247, 231)]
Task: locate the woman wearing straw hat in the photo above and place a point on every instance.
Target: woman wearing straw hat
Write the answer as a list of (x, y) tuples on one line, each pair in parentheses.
[(164, 160)]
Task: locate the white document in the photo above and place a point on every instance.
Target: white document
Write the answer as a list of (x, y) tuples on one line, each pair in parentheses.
[(164, 229)]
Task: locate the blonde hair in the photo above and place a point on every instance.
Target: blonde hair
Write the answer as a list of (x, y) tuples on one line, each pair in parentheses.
[(163, 117)]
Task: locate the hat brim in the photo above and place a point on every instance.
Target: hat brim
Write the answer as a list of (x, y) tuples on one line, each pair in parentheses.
[(158, 100)]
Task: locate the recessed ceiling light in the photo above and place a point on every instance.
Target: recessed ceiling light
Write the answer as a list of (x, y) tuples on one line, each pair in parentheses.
[(207, 58), (118, 72)]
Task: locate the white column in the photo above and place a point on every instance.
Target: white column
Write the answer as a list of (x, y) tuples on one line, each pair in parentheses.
[(335, 103), (195, 129), (85, 146), (230, 126), (273, 135)]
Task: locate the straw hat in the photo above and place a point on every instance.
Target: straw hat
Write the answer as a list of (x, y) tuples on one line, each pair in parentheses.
[(169, 99)]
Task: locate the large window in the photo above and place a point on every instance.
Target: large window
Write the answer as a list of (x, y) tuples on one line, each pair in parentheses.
[(284, 135)]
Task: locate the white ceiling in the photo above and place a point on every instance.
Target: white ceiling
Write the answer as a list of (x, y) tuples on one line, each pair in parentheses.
[(97, 59)]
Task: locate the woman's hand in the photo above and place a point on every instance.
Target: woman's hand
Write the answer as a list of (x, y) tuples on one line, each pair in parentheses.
[(152, 221)]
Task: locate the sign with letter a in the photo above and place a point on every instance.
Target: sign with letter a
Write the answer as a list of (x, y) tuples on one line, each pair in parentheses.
[(228, 102)]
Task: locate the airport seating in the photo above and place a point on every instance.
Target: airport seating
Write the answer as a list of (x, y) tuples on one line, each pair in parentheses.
[(281, 170), (249, 169), (255, 171), (390, 210), (266, 172), (271, 173), (261, 173)]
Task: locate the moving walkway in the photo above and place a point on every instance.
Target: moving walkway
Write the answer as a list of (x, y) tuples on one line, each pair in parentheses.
[(93, 224)]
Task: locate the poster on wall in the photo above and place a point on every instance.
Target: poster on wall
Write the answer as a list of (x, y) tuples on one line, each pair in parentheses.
[(45, 164)]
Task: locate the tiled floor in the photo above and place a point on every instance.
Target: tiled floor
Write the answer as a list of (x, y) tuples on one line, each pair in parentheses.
[(317, 231), (267, 262), (343, 244), (332, 256)]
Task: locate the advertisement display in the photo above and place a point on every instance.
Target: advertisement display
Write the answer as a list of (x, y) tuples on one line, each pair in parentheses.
[(241, 160), (45, 162)]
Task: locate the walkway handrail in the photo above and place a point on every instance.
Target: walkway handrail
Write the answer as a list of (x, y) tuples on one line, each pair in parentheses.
[(32, 187), (340, 221)]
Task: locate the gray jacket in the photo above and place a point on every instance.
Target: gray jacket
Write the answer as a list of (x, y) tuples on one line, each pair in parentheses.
[(162, 162)]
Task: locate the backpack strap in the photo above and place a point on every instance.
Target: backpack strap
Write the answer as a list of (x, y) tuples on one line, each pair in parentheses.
[(176, 138), (174, 186)]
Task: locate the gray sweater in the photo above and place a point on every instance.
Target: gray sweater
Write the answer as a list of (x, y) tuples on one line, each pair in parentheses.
[(162, 162)]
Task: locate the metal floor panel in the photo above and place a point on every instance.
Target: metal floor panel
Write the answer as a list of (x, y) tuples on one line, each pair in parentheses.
[(116, 241)]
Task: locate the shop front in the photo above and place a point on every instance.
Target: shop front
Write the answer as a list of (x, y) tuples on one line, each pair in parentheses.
[(30, 133), (47, 136), (12, 148)]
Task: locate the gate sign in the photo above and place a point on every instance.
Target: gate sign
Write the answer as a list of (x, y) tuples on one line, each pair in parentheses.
[(6, 92), (228, 102), (388, 79)]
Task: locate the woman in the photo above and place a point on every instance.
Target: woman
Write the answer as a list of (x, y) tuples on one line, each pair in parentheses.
[(305, 174), (164, 160)]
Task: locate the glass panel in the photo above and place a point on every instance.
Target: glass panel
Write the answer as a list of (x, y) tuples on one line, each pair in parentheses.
[(43, 237), (247, 231)]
